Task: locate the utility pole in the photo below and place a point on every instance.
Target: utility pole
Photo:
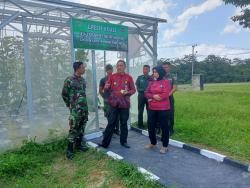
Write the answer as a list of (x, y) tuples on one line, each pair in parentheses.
[(193, 46), (104, 62)]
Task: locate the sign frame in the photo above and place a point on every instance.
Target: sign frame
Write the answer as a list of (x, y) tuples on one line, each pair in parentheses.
[(89, 34)]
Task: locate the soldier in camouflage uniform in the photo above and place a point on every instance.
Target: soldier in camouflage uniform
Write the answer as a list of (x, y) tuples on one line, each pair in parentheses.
[(74, 96)]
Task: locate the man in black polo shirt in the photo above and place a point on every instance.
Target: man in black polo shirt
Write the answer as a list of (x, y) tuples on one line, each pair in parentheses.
[(106, 93)]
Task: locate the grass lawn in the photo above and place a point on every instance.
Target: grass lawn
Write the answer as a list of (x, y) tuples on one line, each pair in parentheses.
[(45, 165), (217, 118)]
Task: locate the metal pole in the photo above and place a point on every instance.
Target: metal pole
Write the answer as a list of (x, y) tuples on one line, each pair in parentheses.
[(28, 80), (73, 55), (127, 69), (192, 73), (104, 61), (127, 62), (192, 61), (155, 44), (95, 87)]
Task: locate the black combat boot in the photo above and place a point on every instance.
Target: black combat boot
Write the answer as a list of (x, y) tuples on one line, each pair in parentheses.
[(81, 144), (69, 152)]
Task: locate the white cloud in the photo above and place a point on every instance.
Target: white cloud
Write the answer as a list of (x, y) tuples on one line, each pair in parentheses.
[(154, 8), (231, 28), (110, 4), (182, 21), (221, 50), (203, 50), (234, 27)]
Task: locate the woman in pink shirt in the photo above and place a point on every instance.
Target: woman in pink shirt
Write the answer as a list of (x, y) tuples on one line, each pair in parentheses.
[(157, 94)]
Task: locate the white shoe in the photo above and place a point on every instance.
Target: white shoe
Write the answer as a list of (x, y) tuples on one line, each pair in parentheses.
[(163, 150)]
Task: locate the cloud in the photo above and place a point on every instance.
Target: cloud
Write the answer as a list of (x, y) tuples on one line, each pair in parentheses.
[(110, 4), (182, 21), (203, 50), (234, 27), (222, 50), (231, 28), (154, 8)]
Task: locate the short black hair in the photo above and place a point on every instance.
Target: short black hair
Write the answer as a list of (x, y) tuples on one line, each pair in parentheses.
[(146, 66), (120, 60), (108, 67), (76, 65), (166, 63), (163, 61)]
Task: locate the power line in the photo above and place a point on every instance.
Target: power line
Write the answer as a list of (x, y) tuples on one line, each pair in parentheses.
[(242, 53), (239, 53), (233, 48), (175, 46), (186, 45)]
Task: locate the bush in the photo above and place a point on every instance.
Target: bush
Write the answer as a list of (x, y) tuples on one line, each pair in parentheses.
[(30, 155)]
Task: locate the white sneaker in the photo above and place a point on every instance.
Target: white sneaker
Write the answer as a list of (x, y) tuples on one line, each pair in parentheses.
[(163, 150)]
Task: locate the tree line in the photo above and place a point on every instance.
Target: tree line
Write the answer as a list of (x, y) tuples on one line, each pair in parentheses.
[(215, 69)]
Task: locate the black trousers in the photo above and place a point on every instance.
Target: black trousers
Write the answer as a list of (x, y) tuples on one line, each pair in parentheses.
[(114, 114), (142, 101), (171, 113), (106, 114), (160, 116)]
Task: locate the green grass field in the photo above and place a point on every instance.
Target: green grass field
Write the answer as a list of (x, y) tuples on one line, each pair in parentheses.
[(45, 165), (217, 118)]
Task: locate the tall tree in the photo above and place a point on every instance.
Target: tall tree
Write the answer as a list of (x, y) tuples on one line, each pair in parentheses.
[(244, 17)]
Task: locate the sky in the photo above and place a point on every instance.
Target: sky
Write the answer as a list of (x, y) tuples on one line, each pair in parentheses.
[(206, 23)]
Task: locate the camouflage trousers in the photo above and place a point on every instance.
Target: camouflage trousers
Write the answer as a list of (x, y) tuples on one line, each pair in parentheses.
[(77, 124)]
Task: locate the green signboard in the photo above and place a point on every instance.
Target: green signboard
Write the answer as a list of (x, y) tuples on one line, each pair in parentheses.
[(99, 35)]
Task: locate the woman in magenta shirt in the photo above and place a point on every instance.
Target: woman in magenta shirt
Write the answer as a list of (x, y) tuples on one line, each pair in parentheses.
[(157, 94)]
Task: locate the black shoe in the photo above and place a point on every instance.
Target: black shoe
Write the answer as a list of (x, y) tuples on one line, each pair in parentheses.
[(69, 152), (140, 126), (81, 145), (125, 145), (171, 132), (69, 155), (101, 145), (82, 148)]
